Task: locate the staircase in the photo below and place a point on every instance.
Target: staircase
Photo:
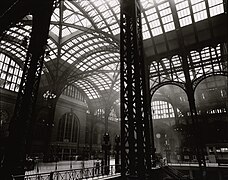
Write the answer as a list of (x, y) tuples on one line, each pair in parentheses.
[(173, 173)]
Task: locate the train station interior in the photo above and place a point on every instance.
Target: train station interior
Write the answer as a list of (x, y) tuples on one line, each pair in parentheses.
[(83, 78)]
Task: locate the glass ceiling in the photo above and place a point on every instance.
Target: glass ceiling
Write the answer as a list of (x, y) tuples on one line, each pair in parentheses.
[(84, 37)]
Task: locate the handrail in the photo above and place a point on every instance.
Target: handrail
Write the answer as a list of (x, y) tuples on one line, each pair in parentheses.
[(73, 174), (173, 172)]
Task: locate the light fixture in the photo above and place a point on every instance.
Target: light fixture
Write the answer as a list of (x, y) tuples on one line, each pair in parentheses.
[(47, 54), (24, 42), (48, 95)]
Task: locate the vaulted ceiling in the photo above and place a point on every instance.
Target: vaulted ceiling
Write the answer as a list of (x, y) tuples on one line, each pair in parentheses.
[(83, 44)]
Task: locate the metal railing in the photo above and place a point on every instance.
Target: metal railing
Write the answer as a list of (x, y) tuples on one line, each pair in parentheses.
[(74, 174)]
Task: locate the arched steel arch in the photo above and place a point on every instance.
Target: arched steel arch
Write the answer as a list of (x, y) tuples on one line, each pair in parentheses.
[(155, 88), (197, 81)]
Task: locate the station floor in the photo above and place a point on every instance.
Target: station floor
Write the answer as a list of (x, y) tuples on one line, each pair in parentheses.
[(41, 167)]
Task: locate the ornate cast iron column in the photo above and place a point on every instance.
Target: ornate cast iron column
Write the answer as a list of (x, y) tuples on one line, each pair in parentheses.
[(190, 93), (192, 106), (106, 147), (135, 126), (51, 99), (117, 153), (15, 153)]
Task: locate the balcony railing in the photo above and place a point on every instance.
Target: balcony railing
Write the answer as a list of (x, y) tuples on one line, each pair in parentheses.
[(74, 174)]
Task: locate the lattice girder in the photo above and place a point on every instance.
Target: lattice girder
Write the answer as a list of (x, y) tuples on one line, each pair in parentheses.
[(135, 135)]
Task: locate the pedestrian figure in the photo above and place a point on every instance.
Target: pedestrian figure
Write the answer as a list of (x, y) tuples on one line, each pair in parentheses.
[(97, 165), (83, 164)]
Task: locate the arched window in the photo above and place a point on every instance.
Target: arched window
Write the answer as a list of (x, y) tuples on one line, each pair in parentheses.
[(100, 113), (68, 129), (113, 116), (10, 73), (72, 91), (162, 109)]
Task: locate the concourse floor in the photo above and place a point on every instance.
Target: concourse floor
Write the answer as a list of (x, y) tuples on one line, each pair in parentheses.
[(41, 167)]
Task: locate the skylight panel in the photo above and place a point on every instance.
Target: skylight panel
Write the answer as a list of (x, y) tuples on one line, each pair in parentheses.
[(109, 18), (199, 7), (116, 31), (156, 31), (98, 3), (200, 16), (55, 15), (117, 83), (79, 38), (86, 50), (102, 8), (28, 28), (20, 31), (67, 13), (82, 68), (84, 36), (169, 27), (87, 87), (70, 61), (147, 3), (51, 44), (8, 47), (166, 16), (71, 19), (85, 22), (81, 45), (76, 48), (146, 33), (215, 7), (165, 12), (113, 2), (150, 11), (54, 29), (167, 19), (101, 24), (182, 5), (158, 1), (219, 9), (85, 3), (69, 5), (101, 81), (214, 2), (154, 23), (183, 12), (64, 58), (117, 11), (90, 41), (163, 6), (89, 63), (195, 56), (92, 12), (114, 28), (97, 18), (65, 32), (199, 10), (205, 54)]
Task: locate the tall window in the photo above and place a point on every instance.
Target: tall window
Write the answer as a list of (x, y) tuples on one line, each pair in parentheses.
[(113, 115), (10, 73), (72, 91), (100, 113), (162, 109), (68, 130)]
